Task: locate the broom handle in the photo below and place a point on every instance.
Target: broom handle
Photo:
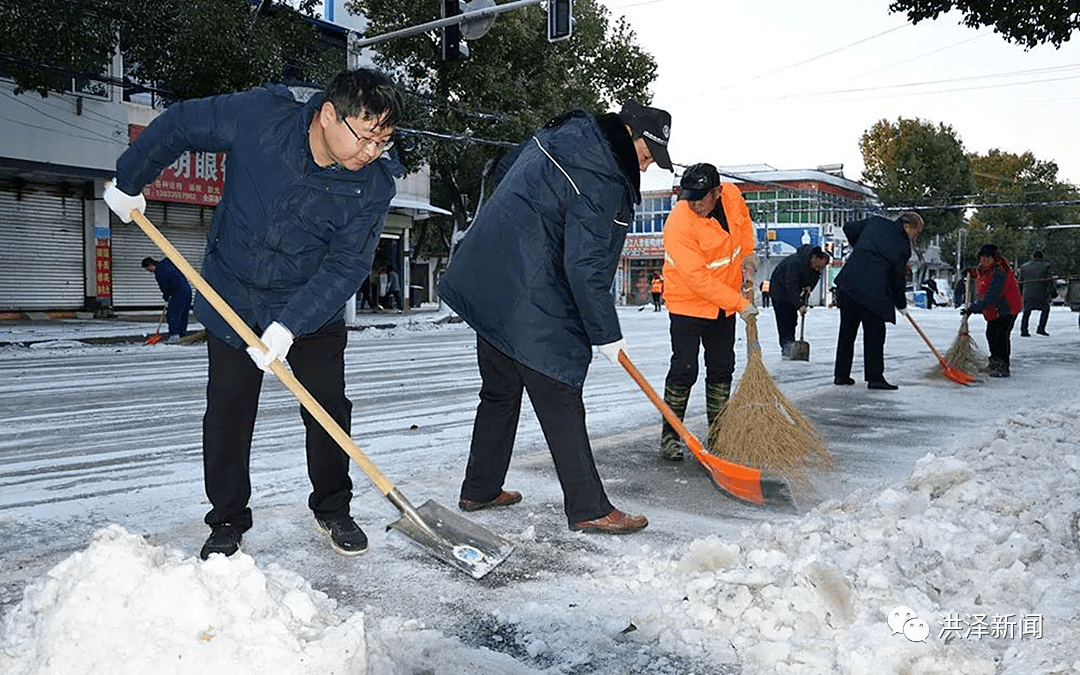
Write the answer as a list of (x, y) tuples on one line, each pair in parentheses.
[(691, 441), (284, 374)]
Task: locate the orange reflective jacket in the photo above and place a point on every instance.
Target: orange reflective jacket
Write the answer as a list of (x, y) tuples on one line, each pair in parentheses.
[(702, 262), (657, 286)]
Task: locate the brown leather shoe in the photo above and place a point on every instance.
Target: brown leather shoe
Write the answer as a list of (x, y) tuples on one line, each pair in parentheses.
[(615, 522), (505, 498)]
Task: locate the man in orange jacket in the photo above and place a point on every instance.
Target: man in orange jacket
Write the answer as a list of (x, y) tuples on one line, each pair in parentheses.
[(708, 251)]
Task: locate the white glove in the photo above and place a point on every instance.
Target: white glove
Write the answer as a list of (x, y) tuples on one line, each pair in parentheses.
[(611, 350), (278, 340), (122, 203), (748, 311)]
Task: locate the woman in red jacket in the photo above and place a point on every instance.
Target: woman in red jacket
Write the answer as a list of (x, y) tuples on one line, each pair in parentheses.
[(999, 302)]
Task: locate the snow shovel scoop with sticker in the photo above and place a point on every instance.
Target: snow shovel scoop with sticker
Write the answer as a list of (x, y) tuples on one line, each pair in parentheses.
[(441, 532)]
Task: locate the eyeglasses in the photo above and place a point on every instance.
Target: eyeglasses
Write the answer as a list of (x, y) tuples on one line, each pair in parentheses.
[(380, 146)]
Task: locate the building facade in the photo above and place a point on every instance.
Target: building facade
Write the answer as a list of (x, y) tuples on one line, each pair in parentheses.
[(789, 208), (64, 250)]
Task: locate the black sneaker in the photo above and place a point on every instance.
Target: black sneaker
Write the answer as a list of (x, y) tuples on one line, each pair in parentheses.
[(881, 384), (224, 539), (346, 537)]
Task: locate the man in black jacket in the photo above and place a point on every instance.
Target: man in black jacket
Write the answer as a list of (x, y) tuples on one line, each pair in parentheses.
[(532, 276), (869, 290), (790, 286)]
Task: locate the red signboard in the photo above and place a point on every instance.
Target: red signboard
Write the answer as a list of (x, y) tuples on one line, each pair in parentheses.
[(195, 178), (103, 269)]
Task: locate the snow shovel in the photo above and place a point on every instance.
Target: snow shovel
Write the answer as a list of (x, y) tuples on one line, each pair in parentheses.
[(157, 336), (738, 481), (800, 349), (950, 371), (441, 532)]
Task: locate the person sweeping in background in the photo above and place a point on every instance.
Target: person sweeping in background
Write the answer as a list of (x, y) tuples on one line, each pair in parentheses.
[(175, 290), (790, 285), (999, 302)]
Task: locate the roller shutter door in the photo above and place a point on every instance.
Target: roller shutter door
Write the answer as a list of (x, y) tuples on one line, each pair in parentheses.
[(184, 225), (42, 253)]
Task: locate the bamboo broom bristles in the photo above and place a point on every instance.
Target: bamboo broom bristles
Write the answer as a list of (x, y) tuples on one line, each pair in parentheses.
[(759, 426)]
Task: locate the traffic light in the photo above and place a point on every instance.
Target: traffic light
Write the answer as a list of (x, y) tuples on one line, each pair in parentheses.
[(451, 35), (560, 19)]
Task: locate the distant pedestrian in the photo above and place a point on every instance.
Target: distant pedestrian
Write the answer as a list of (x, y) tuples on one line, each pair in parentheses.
[(999, 302), (393, 289), (791, 284), (1037, 288), (384, 287), (657, 289), (929, 286), (869, 290), (176, 291), (765, 288), (365, 294)]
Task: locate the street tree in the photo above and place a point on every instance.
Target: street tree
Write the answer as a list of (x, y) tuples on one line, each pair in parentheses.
[(1020, 196), (1026, 23), (914, 165), (180, 48), (474, 109)]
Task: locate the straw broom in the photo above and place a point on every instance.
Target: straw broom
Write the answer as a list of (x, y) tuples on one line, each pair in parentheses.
[(760, 428), (965, 353)]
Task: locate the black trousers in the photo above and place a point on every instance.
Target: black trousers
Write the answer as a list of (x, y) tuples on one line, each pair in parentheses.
[(1044, 315), (656, 301), (232, 402), (688, 333), (853, 315), (787, 317), (998, 339), (177, 314), (561, 413)]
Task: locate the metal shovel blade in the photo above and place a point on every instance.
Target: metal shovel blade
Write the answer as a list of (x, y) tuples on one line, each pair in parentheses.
[(454, 540), (800, 350)]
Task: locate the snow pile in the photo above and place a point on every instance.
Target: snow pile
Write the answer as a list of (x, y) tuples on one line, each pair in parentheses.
[(123, 606), (980, 545)]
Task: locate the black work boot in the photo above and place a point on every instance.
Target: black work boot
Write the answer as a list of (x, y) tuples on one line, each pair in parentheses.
[(997, 367), (224, 539), (670, 444)]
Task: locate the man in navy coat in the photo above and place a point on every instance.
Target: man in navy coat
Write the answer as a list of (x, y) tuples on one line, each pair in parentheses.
[(306, 195), (869, 290), (532, 276)]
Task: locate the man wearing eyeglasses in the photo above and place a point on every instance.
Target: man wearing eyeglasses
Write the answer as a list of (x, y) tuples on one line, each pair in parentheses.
[(307, 190)]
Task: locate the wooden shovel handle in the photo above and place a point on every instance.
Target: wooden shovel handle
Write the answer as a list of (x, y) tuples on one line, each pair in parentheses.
[(284, 374)]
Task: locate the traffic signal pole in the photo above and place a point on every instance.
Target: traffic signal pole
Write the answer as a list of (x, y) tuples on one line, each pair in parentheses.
[(442, 23)]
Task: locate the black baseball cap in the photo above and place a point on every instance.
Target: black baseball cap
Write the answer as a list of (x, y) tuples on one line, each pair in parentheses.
[(697, 181), (652, 124)]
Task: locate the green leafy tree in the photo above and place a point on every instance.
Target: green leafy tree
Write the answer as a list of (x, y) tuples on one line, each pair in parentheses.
[(1026, 23), (184, 48), (912, 164), (512, 82), (1022, 196)]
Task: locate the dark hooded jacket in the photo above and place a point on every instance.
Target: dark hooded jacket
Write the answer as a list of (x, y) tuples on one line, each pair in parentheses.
[(171, 281), (533, 273), (875, 271), (793, 274), (290, 241)]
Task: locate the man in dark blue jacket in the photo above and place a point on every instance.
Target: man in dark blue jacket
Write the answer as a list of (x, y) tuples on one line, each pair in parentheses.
[(790, 286), (532, 276), (305, 199), (175, 290), (869, 290)]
